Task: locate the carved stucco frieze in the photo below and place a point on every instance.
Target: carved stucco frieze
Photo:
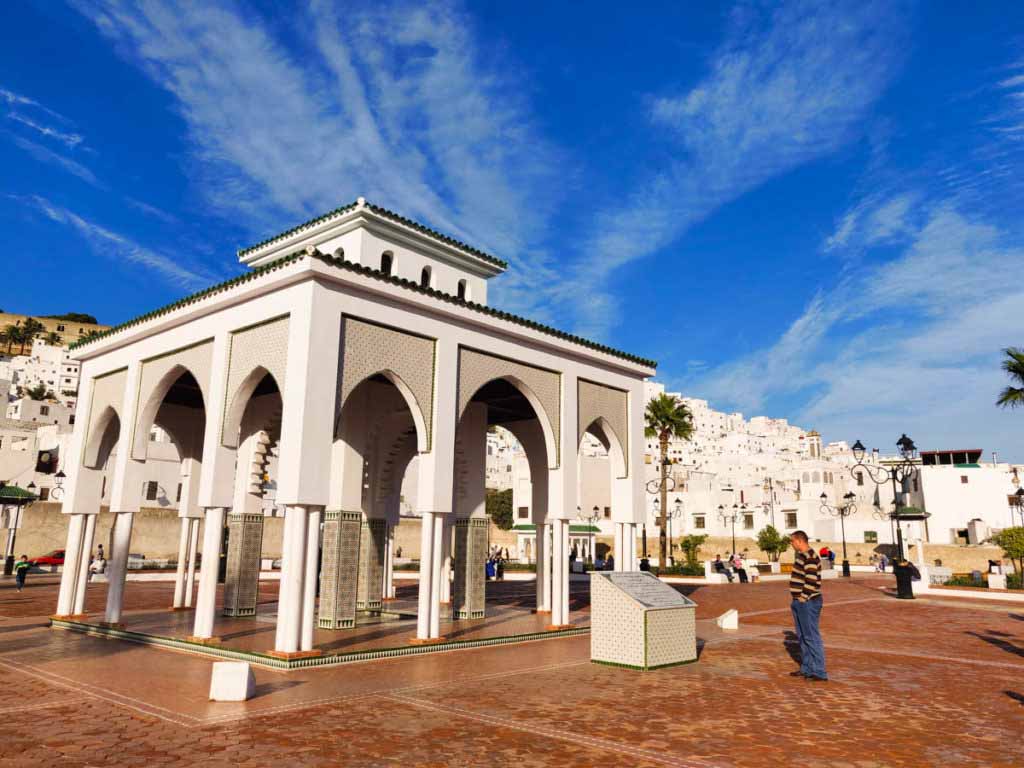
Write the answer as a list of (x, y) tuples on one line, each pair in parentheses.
[(263, 345), (596, 401)]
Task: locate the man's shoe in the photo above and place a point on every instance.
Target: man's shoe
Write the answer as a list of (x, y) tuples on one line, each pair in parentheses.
[(816, 679), (798, 673)]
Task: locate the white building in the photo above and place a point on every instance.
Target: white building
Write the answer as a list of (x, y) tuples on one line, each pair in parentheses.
[(41, 412), (50, 366)]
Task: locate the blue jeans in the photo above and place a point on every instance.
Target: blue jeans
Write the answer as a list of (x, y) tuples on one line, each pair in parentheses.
[(812, 650)]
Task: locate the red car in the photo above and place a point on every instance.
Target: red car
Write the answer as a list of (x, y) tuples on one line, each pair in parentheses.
[(54, 558)]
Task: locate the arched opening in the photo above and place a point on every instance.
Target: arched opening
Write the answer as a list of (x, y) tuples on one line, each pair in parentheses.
[(425, 276), (387, 262), (605, 497), (259, 435), (102, 439), (462, 290), (339, 254)]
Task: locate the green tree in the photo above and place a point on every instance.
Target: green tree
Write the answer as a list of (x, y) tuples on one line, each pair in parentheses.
[(29, 330), (74, 317), (10, 335), (1012, 542), (691, 545), (666, 417), (38, 392), (498, 506), (771, 542), (53, 339), (1012, 396)]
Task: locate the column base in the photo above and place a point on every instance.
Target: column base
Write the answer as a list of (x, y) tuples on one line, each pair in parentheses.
[(112, 624), (71, 617), (292, 655), (388, 599), (427, 640), (557, 627), (180, 608), (543, 611), (203, 640)]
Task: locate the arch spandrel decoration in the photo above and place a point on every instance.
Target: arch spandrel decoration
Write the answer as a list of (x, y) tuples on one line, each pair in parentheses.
[(596, 401), (478, 368), (196, 359), (258, 346), (368, 349), (107, 390)]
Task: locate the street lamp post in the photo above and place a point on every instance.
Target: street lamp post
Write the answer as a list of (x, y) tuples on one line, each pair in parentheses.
[(661, 487), (1020, 505), (843, 511), (769, 487), (675, 513), (730, 518), (898, 473), (591, 520)]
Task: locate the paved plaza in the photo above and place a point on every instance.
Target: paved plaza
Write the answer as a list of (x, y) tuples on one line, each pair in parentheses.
[(913, 683)]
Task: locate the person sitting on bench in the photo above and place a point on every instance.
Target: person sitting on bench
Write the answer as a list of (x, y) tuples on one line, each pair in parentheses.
[(719, 567)]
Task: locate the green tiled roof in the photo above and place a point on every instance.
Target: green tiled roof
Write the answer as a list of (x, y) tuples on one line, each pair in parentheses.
[(572, 528), (376, 275), (12, 493), (386, 214)]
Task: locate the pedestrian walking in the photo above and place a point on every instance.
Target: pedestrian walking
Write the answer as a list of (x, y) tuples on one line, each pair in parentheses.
[(21, 571), (805, 589)]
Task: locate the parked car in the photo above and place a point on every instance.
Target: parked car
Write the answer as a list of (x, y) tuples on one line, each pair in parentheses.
[(53, 558)]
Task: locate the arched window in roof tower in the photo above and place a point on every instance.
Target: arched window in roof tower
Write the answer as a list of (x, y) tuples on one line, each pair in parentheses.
[(387, 262), (425, 278), (462, 289), (339, 254)]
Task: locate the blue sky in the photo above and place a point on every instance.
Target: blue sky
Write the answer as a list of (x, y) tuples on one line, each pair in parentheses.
[(807, 210)]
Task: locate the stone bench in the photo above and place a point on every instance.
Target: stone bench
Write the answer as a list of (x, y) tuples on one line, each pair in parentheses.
[(713, 576)]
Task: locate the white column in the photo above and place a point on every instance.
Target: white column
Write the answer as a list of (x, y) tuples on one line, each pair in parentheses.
[(116, 572), (631, 546), (190, 575), (206, 600), (617, 549), (293, 570), (83, 566), (558, 568), (542, 556), (69, 574), (435, 585), (565, 572), (179, 574), (388, 591), (426, 575), (549, 578), (309, 584)]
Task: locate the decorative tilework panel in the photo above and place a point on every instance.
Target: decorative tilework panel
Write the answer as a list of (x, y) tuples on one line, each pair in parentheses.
[(478, 368), (371, 565), (596, 401), (671, 636), (263, 345), (340, 569), (369, 349), (616, 625), (241, 581), (470, 582)]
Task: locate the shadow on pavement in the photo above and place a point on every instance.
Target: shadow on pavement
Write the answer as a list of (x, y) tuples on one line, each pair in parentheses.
[(998, 642)]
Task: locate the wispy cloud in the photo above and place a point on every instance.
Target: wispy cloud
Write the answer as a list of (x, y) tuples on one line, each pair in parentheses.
[(121, 249), (47, 155), (401, 105), (788, 86), (20, 100), (152, 210), (70, 140)]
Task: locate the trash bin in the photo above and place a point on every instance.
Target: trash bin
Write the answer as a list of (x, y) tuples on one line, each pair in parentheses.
[(904, 577)]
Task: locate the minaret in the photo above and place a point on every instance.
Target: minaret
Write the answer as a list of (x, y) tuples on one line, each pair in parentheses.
[(814, 444)]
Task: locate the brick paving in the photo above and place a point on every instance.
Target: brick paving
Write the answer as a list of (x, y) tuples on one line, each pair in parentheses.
[(927, 682)]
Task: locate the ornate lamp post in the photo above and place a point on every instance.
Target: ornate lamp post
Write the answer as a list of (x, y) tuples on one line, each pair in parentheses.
[(674, 513), (591, 520), (898, 474), (11, 496), (1020, 505), (730, 518), (769, 488), (661, 487), (841, 511)]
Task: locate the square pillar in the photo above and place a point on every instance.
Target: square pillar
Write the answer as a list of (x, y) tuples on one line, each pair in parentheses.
[(245, 546), (542, 555), (370, 588), (469, 589), (339, 578), (83, 565)]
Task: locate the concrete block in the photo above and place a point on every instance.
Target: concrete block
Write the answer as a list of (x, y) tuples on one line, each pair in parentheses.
[(729, 620), (997, 581), (232, 681)]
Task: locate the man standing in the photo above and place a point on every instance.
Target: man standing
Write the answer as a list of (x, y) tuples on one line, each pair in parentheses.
[(805, 589), (21, 571)]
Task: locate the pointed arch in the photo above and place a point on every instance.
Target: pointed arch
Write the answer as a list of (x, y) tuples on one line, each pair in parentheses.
[(147, 414), (602, 429), (236, 405), (422, 436), (103, 436), (550, 442)]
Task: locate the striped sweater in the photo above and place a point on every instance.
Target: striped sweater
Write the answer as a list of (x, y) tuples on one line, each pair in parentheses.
[(805, 580)]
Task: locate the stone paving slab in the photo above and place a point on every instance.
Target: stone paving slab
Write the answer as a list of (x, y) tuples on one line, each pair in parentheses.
[(911, 686)]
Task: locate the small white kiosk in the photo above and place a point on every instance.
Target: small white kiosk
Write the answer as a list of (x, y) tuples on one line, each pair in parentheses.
[(638, 621)]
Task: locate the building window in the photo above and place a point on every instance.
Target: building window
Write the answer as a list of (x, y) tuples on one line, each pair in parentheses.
[(748, 522), (915, 484), (698, 522), (524, 512), (816, 477), (44, 410), (870, 537), (60, 328), (151, 490), (607, 513), (462, 289), (177, 496), (425, 278), (963, 480), (387, 262), (860, 478), (339, 254), (44, 494), (791, 520)]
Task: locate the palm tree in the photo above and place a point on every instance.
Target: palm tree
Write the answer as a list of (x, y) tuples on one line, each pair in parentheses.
[(1012, 396), (53, 339), (667, 416), (10, 335), (30, 330)]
